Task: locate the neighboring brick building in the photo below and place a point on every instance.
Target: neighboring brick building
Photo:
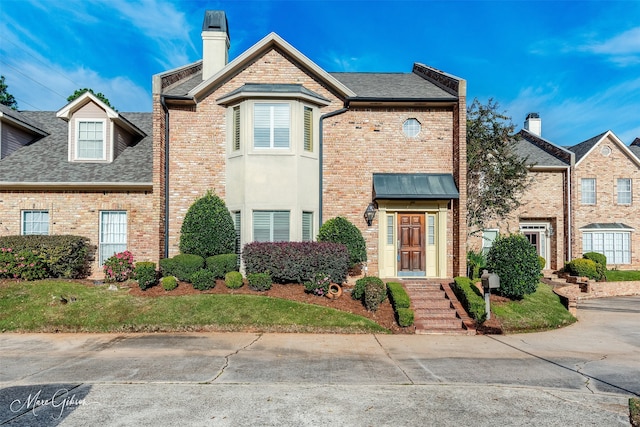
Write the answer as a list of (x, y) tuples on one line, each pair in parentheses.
[(582, 199), (288, 145), (84, 170)]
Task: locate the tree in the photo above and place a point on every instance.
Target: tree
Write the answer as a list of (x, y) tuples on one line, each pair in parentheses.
[(98, 95), (208, 228), (496, 175), (5, 97)]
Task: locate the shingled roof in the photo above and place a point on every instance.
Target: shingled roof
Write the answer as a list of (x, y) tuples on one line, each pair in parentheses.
[(540, 152), (46, 160), (398, 86), (584, 147)]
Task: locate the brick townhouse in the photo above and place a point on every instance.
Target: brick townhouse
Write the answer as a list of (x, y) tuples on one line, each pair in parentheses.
[(285, 143), (583, 198)]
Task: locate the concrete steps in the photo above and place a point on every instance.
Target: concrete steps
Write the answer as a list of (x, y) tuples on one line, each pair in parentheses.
[(434, 310)]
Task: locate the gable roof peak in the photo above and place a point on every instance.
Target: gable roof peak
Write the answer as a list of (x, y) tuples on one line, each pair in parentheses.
[(67, 111)]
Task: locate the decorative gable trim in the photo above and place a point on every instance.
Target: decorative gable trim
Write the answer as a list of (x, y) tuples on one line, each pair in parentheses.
[(616, 141), (271, 41)]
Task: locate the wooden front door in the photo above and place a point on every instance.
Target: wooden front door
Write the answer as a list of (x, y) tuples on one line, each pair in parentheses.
[(411, 247)]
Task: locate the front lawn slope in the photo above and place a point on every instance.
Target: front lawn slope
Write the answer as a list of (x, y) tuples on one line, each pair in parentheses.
[(68, 306)]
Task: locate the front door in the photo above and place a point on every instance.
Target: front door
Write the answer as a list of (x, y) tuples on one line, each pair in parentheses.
[(411, 245), (534, 238)]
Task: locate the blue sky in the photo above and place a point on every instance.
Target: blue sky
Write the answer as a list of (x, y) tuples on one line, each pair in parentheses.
[(577, 63)]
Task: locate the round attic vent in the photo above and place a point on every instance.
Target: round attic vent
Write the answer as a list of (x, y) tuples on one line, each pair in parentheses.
[(605, 151)]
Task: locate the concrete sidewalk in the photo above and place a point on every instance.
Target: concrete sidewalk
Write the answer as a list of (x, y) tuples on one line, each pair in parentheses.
[(580, 375)]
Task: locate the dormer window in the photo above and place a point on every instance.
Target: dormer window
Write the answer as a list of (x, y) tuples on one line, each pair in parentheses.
[(91, 141)]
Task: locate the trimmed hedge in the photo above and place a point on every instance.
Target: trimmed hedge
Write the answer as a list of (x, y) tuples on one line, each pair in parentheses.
[(601, 264), (64, 256), (515, 260), (470, 298), (203, 280), (259, 281), (400, 302), (221, 264), (297, 262), (146, 275), (398, 296), (182, 266), (405, 317), (371, 291), (582, 267), (233, 280)]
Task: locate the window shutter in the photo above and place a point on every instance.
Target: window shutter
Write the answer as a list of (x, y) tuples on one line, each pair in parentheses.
[(262, 226), (281, 125), (281, 226), (308, 129), (236, 128), (307, 226), (261, 126)]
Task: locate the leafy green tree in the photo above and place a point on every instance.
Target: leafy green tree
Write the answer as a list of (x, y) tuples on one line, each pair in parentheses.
[(340, 230), (208, 228), (496, 175), (98, 95), (5, 97), (515, 261)]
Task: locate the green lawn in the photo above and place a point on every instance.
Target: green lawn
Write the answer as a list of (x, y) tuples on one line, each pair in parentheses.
[(539, 311), (36, 307), (622, 276)]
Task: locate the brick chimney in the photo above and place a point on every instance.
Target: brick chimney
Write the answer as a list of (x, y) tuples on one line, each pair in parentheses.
[(533, 124), (215, 42)]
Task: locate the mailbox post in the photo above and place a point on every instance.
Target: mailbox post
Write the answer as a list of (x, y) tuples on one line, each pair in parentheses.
[(489, 281)]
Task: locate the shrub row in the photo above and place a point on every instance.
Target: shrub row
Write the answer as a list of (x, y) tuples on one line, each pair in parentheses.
[(63, 256), (470, 297), (401, 302), (201, 273), (371, 291), (297, 262)]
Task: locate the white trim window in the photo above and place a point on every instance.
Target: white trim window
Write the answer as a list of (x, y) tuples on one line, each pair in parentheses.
[(113, 234), (271, 226), (488, 237), (624, 191), (615, 245), (271, 125), (588, 191), (91, 139), (411, 128), (35, 222)]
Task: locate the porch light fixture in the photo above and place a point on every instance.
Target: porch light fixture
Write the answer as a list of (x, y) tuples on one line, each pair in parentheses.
[(550, 231), (370, 213)]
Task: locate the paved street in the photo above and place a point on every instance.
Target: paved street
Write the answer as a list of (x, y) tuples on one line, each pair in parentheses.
[(580, 375)]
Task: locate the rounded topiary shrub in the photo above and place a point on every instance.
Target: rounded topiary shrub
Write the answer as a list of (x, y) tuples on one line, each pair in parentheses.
[(203, 280), (221, 264), (374, 293), (582, 267), (169, 283), (340, 230), (601, 264), (358, 290), (208, 228), (233, 280), (259, 281), (515, 261)]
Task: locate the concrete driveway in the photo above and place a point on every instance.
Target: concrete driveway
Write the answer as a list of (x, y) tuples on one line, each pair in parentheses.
[(580, 375)]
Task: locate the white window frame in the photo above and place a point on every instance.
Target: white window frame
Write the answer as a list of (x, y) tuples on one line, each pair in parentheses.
[(274, 121), (37, 221), (411, 127), (112, 233), (588, 196), (624, 190), (307, 226), (615, 245), (77, 156), (487, 242), (268, 226)]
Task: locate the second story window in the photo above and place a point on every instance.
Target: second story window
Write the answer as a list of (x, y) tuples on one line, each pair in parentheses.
[(588, 191), (90, 142), (271, 125), (624, 191)]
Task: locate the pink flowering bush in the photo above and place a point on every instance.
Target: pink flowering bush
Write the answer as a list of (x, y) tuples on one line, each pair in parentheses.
[(25, 265), (319, 285), (118, 267)]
